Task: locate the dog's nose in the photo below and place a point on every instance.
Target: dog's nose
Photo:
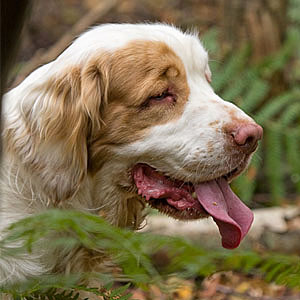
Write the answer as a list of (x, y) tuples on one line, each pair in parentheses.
[(247, 135)]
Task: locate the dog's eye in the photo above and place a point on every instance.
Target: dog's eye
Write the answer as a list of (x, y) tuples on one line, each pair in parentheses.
[(160, 97), (166, 96)]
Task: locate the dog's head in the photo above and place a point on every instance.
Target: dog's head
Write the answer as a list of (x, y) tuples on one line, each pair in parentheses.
[(129, 110)]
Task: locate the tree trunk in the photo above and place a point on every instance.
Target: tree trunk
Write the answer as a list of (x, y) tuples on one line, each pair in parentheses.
[(261, 22)]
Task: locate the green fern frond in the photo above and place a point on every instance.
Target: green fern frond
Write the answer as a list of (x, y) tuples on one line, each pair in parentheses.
[(273, 162), (290, 276), (246, 183), (255, 95), (234, 91), (290, 115), (89, 231), (279, 268), (210, 40), (293, 150), (186, 259), (230, 69), (244, 188), (276, 105)]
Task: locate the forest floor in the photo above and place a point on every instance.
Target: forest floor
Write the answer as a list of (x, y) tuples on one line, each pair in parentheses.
[(220, 286), (274, 229)]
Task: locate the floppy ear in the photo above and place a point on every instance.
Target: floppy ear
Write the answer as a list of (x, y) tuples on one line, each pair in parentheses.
[(57, 120)]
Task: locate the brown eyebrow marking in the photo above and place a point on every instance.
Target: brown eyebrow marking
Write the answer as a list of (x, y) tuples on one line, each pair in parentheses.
[(137, 71)]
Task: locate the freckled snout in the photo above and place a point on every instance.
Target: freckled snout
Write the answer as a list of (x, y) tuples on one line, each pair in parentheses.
[(246, 136)]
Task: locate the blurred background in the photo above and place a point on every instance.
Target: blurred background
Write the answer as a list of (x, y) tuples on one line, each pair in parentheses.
[(254, 49)]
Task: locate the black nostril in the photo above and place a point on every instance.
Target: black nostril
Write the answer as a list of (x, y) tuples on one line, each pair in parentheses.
[(250, 141)]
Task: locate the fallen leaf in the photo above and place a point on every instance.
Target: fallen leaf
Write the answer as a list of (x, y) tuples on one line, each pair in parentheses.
[(209, 285)]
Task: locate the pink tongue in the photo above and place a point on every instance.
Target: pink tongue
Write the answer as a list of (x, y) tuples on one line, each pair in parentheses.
[(232, 216)]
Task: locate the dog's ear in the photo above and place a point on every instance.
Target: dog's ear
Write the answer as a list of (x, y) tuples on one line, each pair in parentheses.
[(57, 119), (94, 91)]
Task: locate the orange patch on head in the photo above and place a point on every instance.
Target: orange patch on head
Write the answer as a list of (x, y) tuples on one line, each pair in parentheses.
[(110, 100), (138, 73)]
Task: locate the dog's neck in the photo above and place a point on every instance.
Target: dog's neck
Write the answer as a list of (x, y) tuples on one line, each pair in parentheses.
[(100, 194), (112, 199)]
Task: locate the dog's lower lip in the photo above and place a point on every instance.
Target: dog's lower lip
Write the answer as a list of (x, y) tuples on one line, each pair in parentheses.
[(230, 174)]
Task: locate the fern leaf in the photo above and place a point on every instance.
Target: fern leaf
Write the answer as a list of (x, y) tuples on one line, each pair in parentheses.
[(293, 150), (246, 183), (117, 293), (290, 114), (234, 64), (243, 188), (234, 92), (255, 95), (210, 40), (275, 105), (273, 161)]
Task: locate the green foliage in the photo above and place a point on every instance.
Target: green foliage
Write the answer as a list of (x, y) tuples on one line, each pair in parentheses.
[(236, 80), (294, 12), (69, 293), (292, 145), (131, 251), (250, 87), (273, 161)]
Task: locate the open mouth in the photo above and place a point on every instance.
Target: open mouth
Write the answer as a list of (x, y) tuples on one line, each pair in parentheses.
[(188, 201)]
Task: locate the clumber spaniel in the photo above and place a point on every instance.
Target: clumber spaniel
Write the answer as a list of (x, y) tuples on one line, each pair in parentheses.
[(124, 117)]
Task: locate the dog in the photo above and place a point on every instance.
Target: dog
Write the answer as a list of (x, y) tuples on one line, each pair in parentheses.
[(125, 117)]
